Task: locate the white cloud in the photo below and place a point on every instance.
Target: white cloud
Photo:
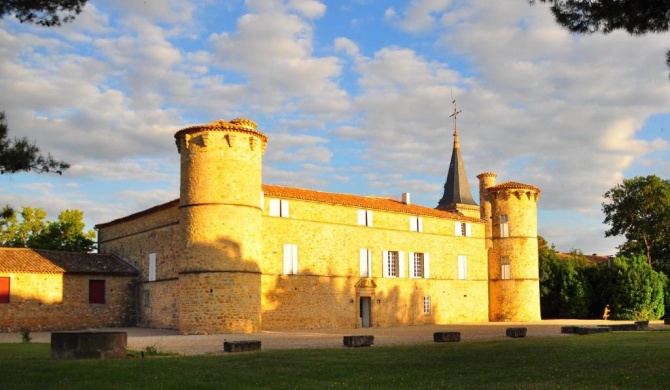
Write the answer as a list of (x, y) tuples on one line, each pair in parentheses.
[(311, 9)]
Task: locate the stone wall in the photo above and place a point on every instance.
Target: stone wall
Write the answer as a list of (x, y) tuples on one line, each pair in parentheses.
[(59, 302), (323, 294)]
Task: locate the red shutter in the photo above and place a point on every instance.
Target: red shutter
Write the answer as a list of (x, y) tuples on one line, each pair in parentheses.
[(96, 291), (4, 290)]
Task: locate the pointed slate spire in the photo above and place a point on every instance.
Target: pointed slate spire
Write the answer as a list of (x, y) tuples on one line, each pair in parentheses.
[(456, 189)]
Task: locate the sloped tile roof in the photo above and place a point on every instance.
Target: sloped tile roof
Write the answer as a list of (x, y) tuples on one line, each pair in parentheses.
[(366, 202), (513, 185), (26, 260), (46, 261)]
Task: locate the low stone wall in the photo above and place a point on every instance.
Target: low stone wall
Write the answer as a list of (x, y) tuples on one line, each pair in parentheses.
[(358, 341), (444, 337), (241, 346)]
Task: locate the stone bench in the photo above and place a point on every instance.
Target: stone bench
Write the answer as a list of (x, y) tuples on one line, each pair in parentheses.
[(88, 345), (358, 341), (445, 337), (241, 346), (516, 332)]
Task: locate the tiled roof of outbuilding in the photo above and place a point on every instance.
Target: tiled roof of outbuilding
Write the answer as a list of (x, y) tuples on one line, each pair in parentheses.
[(27, 260)]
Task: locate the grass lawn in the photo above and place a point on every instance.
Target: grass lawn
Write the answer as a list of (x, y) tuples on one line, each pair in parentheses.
[(603, 361)]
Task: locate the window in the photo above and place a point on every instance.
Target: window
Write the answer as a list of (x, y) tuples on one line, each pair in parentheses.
[(393, 264), (426, 304), (365, 263), (462, 229), (419, 265), (96, 291), (4, 290), (462, 267), (364, 217), (290, 259), (152, 267), (415, 224), (279, 208), (146, 298), (504, 226), (505, 269)]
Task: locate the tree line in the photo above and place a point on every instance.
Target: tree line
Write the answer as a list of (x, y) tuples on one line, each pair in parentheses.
[(634, 284)]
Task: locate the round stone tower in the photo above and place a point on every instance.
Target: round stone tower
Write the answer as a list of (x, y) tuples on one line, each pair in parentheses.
[(514, 286), (219, 286)]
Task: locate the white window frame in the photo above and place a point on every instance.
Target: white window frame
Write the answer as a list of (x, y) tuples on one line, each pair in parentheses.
[(290, 264), (415, 224), (505, 269), (279, 208), (395, 258), (425, 265), (152, 267), (426, 304), (365, 218), (462, 229), (462, 267), (365, 257), (504, 225)]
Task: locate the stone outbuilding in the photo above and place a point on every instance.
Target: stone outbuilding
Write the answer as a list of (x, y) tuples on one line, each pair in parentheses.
[(53, 290)]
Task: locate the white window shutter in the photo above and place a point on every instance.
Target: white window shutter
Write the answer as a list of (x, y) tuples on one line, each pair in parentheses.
[(363, 257), (401, 264), (369, 259), (412, 224), (419, 221), (468, 229), (426, 265), (152, 267), (294, 258), (284, 208), (410, 256), (274, 207), (457, 229), (385, 263), (288, 259), (361, 217), (368, 214)]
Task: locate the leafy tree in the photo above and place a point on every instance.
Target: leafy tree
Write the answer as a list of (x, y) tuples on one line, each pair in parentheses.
[(565, 291), (637, 291), (23, 155), (42, 12), (636, 17), (32, 231), (639, 209)]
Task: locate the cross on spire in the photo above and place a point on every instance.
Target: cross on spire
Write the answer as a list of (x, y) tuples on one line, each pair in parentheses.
[(454, 115)]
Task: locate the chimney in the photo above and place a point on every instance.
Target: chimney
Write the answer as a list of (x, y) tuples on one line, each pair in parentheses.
[(405, 198)]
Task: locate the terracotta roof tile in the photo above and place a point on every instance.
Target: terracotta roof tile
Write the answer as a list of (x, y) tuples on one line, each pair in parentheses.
[(26, 260), (46, 261), (513, 185), (366, 202)]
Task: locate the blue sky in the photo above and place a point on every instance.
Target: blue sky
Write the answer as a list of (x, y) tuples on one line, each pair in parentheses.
[(355, 97)]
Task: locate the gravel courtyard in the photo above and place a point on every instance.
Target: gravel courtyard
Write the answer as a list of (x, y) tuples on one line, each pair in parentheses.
[(170, 340)]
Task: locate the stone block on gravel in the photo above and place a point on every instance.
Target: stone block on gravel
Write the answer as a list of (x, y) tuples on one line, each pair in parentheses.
[(359, 341), (516, 332), (241, 346), (444, 337)]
